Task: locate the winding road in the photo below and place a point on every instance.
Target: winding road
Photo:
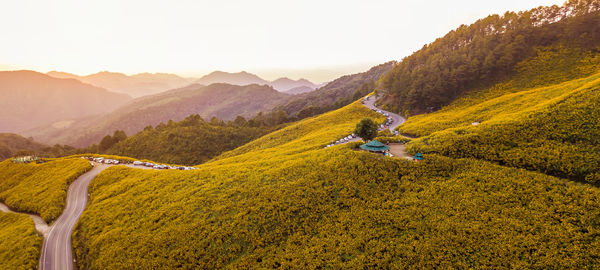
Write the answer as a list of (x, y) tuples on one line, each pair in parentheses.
[(56, 251), (370, 103), (396, 118)]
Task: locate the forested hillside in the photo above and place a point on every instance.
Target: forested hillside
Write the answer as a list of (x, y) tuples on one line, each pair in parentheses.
[(336, 94), (486, 52), (191, 141), (11, 143), (284, 201)]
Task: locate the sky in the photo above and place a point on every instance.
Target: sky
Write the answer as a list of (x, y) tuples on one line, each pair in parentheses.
[(315, 39)]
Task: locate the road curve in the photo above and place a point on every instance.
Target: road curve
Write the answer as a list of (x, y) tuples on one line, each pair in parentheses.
[(370, 103), (396, 118), (56, 251)]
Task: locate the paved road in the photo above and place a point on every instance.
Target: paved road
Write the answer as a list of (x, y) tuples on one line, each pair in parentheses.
[(370, 103), (56, 251), (396, 118)]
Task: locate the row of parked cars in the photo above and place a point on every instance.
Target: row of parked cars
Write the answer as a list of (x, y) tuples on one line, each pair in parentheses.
[(104, 160), (162, 166), (342, 140), (139, 163), (388, 121)]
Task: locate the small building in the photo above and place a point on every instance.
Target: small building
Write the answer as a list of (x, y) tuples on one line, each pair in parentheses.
[(418, 157), (375, 146)]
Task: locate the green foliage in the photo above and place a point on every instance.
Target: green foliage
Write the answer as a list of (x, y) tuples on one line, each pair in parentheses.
[(108, 141), (486, 52), (189, 142), (366, 129), (10, 144), (19, 242), (553, 129), (39, 188)]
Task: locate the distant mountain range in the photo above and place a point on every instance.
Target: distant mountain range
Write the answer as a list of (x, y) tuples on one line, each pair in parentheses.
[(245, 78), (224, 101), (135, 85), (31, 99), (144, 84), (299, 90)]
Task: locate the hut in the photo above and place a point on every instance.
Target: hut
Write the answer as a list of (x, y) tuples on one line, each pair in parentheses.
[(375, 146), (418, 157)]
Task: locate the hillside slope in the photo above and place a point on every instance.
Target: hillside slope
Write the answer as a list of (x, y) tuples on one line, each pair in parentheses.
[(39, 188), (486, 52), (11, 143), (337, 93), (31, 99), (188, 142), (221, 100), (284, 201), (20, 248), (553, 129)]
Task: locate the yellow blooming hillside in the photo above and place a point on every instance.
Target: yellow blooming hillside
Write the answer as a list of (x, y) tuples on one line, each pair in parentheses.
[(19, 242), (553, 129), (39, 188), (283, 201)]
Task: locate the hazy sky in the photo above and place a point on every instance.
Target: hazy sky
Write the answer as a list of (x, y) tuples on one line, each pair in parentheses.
[(317, 39)]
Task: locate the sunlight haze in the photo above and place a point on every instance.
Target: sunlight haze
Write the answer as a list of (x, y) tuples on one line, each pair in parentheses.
[(318, 40)]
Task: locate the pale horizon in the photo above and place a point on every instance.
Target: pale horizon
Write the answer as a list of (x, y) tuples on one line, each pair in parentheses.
[(295, 39)]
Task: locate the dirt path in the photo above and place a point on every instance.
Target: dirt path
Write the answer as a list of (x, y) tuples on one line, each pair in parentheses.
[(397, 149), (40, 225)]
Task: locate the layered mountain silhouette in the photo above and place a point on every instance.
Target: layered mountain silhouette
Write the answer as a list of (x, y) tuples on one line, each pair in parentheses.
[(135, 85), (31, 99), (224, 101), (245, 78)]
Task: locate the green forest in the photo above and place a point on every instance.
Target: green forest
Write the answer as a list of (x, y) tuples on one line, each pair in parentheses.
[(485, 53), (191, 141)]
